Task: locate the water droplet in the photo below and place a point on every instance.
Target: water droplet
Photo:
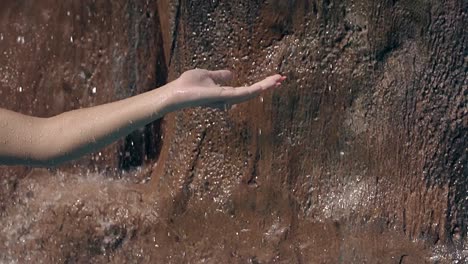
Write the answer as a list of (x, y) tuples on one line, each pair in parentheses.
[(82, 75), (71, 39), (94, 90), (20, 89), (20, 39)]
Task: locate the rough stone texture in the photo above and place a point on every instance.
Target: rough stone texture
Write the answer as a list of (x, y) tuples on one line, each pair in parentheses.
[(360, 158)]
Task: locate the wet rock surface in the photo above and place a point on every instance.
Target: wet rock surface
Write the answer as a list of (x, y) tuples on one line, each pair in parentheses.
[(359, 158)]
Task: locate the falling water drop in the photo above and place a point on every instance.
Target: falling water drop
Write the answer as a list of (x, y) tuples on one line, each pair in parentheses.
[(94, 90), (20, 39)]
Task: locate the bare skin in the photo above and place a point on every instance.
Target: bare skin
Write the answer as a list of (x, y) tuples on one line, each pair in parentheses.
[(46, 142)]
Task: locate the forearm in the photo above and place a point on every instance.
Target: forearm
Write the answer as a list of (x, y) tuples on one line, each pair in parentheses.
[(73, 134)]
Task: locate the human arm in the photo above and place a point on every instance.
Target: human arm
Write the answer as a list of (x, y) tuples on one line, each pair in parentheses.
[(32, 141)]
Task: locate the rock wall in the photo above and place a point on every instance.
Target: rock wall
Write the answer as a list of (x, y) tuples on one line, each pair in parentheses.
[(360, 157)]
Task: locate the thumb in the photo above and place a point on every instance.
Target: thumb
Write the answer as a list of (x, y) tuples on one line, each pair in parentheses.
[(222, 77)]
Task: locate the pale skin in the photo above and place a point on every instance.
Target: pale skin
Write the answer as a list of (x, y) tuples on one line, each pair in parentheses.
[(47, 142)]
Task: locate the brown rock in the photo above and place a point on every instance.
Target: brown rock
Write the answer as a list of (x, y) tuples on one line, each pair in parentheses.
[(369, 131), (359, 158)]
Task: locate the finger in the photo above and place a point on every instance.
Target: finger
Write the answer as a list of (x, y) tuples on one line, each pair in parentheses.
[(253, 90), (221, 77), (267, 83), (242, 94)]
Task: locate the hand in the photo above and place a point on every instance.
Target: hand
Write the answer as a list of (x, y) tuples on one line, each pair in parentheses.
[(205, 88)]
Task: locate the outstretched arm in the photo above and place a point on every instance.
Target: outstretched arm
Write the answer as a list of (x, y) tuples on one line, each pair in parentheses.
[(26, 140)]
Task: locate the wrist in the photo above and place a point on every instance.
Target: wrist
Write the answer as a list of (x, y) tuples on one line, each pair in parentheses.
[(172, 99), (177, 99)]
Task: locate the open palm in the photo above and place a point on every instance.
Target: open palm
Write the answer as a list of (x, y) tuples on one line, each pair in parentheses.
[(206, 88)]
